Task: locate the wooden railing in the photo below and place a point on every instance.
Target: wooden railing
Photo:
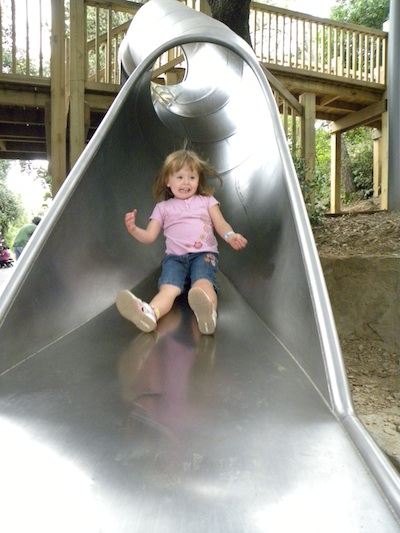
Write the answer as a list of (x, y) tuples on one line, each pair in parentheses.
[(280, 37), (25, 48), (104, 33), (294, 40), (26, 33)]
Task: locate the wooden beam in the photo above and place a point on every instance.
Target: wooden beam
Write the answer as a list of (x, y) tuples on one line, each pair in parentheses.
[(77, 80), (281, 89), (20, 81), (326, 100), (167, 66), (343, 106), (115, 4), (205, 7), (336, 150), (360, 118), (10, 97), (303, 75), (307, 138), (303, 83), (57, 167), (376, 167), (100, 102), (384, 156), (24, 156)]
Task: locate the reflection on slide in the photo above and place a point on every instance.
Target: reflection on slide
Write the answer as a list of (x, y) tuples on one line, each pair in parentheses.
[(105, 428)]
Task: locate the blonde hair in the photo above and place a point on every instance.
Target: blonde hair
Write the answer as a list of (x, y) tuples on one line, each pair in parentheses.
[(173, 163)]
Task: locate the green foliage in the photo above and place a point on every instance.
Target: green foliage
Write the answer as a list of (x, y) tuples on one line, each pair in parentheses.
[(316, 193), (360, 149), (19, 53), (323, 157), (4, 167), (11, 232), (369, 13), (10, 206), (10, 209), (41, 175), (313, 191)]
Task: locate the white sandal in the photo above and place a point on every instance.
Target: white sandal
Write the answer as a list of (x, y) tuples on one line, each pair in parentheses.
[(136, 311), (203, 308)]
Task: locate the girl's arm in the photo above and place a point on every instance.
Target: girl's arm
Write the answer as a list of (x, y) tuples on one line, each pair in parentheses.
[(146, 236), (225, 230)]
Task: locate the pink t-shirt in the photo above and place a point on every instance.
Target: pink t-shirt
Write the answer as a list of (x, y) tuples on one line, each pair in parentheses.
[(187, 224)]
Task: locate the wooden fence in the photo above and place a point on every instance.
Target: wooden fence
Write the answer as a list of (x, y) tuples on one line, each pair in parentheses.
[(295, 40), (280, 37)]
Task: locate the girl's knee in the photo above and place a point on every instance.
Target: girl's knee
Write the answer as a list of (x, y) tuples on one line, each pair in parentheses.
[(170, 291), (208, 288)]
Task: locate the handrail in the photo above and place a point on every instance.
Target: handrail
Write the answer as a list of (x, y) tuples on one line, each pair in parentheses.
[(280, 37), (299, 41), (25, 42), (289, 108)]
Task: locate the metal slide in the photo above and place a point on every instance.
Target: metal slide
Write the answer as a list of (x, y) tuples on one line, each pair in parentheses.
[(106, 429)]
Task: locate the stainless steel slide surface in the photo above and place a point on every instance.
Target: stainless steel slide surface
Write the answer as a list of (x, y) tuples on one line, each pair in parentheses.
[(107, 429)]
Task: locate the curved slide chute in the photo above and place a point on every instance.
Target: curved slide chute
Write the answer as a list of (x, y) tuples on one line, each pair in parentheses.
[(252, 429)]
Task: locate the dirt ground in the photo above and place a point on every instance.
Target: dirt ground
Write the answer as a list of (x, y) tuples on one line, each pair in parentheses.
[(372, 366)]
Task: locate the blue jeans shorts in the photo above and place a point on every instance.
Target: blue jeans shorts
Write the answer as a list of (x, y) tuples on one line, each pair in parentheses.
[(184, 270)]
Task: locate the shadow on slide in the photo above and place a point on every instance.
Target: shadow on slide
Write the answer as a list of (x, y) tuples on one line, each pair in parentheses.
[(105, 428)]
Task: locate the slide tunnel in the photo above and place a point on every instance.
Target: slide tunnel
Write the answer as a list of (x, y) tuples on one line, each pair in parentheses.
[(108, 429)]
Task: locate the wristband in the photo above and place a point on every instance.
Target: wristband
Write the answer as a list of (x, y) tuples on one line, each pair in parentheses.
[(227, 235)]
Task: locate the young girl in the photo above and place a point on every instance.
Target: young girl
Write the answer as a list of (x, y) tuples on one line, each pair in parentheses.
[(187, 212)]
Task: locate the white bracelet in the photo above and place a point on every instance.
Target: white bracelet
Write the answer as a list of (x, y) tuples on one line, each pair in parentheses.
[(227, 235)]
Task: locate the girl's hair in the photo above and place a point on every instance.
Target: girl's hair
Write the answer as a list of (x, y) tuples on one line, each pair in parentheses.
[(173, 163)]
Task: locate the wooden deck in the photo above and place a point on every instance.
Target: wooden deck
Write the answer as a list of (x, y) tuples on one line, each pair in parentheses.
[(48, 112)]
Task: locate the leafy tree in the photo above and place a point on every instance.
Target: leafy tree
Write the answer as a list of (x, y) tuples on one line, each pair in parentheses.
[(10, 206), (358, 142), (323, 152), (41, 175), (359, 147), (369, 13), (4, 167)]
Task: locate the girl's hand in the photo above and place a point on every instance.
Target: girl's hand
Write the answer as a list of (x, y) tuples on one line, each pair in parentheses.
[(237, 241), (130, 221)]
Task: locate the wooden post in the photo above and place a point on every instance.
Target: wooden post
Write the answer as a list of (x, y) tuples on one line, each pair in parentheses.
[(307, 137), (392, 187), (376, 171), (205, 7), (58, 129), (336, 159), (384, 156), (77, 80)]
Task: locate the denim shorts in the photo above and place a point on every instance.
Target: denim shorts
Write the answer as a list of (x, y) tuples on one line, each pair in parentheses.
[(184, 270)]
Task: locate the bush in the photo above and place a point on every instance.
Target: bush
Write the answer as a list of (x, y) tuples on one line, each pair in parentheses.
[(314, 192)]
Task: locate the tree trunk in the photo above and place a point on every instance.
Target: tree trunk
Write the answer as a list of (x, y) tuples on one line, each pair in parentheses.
[(235, 14)]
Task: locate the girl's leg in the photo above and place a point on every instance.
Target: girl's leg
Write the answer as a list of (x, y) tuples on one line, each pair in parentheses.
[(203, 302), (136, 311), (208, 288), (164, 299), (145, 315)]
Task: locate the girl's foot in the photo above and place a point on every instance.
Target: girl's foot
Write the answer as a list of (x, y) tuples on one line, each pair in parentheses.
[(202, 307), (136, 311)]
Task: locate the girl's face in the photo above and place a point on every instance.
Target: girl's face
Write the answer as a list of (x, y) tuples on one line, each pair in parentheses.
[(183, 183)]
